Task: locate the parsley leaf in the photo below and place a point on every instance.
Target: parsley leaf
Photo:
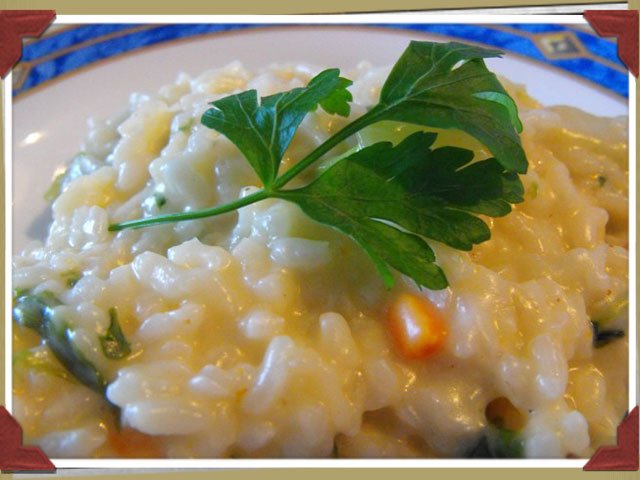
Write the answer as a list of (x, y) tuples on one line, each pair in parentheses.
[(114, 344), (447, 85), (386, 198), (263, 132)]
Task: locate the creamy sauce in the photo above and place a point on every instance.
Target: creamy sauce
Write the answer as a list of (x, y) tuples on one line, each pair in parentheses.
[(266, 334)]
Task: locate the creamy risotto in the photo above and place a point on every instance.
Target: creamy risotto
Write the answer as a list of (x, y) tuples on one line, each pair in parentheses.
[(265, 334)]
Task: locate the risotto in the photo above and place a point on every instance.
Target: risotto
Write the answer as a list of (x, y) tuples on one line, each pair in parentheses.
[(262, 333)]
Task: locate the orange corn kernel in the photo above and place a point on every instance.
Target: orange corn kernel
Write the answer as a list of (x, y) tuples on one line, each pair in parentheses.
[(416, 325)]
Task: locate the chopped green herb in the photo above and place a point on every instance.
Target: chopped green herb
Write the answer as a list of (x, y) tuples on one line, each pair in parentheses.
[(601, 180), (187, 126), (19, 292), (533, 190), (388, 198), (602, 337), (35, 311), (81, 164), (55, 189), (71, 277), (114, 345), (498, 443), (160, 199)]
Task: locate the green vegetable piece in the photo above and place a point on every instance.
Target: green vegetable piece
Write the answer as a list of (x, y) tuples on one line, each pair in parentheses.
[(160, 200), (55, 189), (59, 338), (263, 132), (36, 312), (114, 344), (386, 198), (71, 277), (508, 444), (186, 128), (601, 180), (19, 292), (81, 164), (498, 443), (447, 85), (602, 337), (31, 311)]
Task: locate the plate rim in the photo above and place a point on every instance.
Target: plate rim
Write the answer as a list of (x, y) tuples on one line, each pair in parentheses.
[(373, 28)]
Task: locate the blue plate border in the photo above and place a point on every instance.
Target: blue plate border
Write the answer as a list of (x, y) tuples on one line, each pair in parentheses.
[(573, 49)]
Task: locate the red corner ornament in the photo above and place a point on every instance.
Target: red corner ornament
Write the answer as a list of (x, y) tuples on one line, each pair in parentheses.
[(13, 456), (622, 24), (625, 455), (15, 24)]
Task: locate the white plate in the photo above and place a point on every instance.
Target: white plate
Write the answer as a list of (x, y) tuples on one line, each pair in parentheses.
[(50, 122)]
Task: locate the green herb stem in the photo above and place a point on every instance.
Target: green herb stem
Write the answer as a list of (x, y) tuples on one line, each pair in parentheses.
[(422, 192), (349, 130), (281, 181), (177, 217)]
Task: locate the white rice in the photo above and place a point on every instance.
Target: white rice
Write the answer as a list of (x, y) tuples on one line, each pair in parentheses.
[(263, 334)]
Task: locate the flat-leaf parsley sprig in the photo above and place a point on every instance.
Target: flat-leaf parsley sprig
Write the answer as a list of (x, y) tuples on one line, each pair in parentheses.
[(388, 198)]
